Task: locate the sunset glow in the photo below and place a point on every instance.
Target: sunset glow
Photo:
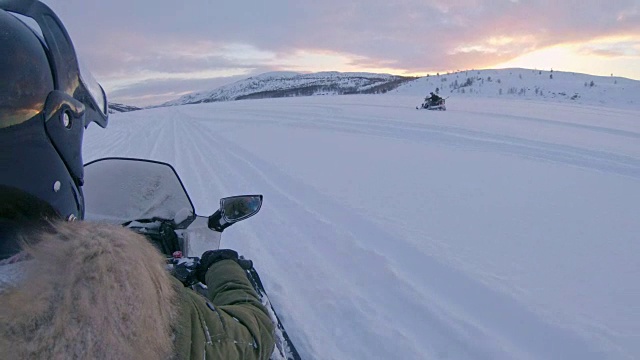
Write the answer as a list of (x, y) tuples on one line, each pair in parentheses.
[(619, 56), (155, 50)]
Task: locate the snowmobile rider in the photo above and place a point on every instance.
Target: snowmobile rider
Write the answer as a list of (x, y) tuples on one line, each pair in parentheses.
[(72, 289), (433, 99)]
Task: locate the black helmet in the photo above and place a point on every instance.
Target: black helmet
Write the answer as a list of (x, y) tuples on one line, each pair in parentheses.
[(431, 93), (46, 102)]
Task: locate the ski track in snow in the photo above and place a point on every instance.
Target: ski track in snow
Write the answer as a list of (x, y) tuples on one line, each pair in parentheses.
[(346, 284), (475, 140), (441, 312)]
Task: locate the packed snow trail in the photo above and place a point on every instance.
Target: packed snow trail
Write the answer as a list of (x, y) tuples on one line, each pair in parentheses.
[(506, 232)]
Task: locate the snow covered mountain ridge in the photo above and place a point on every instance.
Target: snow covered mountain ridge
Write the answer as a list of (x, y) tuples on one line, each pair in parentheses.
[(528, 84), (288, 84), (118, 108)]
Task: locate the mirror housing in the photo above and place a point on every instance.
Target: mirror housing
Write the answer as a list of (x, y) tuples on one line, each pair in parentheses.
[(234, 209)]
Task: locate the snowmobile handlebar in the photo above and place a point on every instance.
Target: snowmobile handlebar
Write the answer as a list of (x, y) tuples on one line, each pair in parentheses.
[(184, 268)]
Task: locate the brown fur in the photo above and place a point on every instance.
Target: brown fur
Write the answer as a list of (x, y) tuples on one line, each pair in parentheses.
[(90, 291)]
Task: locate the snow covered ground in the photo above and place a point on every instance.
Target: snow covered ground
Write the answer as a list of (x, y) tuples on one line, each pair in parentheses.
[(499, 229)]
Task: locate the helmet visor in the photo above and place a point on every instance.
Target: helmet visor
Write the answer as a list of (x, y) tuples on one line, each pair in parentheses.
[(67, 73), (25, 73), (95, 90)]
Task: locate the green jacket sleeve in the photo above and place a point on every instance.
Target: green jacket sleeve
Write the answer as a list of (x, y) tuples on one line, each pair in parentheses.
[(231, 324)]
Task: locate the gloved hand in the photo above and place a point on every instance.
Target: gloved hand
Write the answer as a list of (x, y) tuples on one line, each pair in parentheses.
[(211, 257)]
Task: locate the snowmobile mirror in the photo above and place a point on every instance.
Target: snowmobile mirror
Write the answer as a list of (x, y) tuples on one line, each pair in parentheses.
[(234, 209)]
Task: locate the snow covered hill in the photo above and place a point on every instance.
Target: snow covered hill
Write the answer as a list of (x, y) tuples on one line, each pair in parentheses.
[(555, 86), (117, 108), (286, 84), (503, 228)]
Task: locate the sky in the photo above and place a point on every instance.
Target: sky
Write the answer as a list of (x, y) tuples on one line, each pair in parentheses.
[(146, 52)]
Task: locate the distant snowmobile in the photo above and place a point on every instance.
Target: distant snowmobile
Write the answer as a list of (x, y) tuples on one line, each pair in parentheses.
[(431, 105)]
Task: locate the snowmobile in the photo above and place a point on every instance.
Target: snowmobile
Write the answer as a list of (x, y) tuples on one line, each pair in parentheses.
[(431, 105), (148, 197)]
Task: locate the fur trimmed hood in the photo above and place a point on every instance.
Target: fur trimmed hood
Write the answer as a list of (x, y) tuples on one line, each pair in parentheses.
[(89, 291)]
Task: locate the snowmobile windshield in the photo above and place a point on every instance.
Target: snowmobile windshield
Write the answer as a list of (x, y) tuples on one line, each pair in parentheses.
[(68, 75), (118, 190)]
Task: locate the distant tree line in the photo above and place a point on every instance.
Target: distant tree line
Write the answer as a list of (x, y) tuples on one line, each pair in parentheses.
[(309, 90)]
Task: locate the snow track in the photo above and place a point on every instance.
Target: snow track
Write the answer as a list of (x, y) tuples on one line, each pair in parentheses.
[(390, 233)]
